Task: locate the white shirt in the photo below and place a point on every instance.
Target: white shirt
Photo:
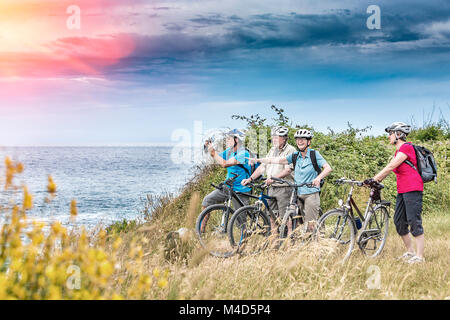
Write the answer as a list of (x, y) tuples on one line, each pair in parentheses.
[(274, 169)]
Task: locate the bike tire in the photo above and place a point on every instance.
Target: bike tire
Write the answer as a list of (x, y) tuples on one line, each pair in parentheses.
[(336, 230), (372, 242), (212, 232), (287, 218), (248, 230)]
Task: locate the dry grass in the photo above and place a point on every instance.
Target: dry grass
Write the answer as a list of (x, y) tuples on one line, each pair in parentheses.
[(144, 263), (307, 272)]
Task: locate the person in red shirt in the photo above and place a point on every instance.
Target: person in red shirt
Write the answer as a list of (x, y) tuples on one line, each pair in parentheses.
[(408, 209)]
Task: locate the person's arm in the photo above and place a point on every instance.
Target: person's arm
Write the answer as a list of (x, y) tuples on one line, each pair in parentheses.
[(397, 161), (224, 163), (221, 161), (258, 172), (280, 160), (280, 175), (283, 174), (326, 170)]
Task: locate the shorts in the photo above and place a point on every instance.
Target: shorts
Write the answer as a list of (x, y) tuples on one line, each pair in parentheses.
[(219, 197), (282, 200), (310, 203), (408, 213)]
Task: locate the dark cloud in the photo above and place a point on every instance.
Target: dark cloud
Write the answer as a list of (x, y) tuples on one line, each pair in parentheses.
[(343, 27), (211, 20), (338, 31)]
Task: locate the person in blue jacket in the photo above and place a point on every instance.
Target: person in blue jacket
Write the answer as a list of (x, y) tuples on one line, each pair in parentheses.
[(235, 160)]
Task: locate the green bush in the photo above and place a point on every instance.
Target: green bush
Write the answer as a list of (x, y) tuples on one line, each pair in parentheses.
[(352, 154)]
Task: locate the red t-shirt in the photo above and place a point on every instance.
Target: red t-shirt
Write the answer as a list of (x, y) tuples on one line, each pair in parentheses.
[(408, 179)]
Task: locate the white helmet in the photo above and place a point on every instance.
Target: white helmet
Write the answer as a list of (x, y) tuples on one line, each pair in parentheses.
[(280, 131), (303, 133), (237, 134), (399, 126)]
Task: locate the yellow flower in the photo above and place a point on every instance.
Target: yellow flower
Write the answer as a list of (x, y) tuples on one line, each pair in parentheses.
[(57, 227), (117, 243), (105, 269), (162, 283), (19, 167), (156, 272), (102, 234), (51, 187), (11, 169), (73, 208), (27, 199), (37, 239), (166, 273), (146, 280), (54, 293), (101, 255), (50, 272)]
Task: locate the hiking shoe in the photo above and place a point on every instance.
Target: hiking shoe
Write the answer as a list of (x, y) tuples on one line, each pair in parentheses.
[(406, 256), (415, 260)]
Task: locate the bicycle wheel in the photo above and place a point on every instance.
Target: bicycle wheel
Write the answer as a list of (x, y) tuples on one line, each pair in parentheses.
[(287, 220), (373, 238), (249, 229), (211, 228), (336, 233)]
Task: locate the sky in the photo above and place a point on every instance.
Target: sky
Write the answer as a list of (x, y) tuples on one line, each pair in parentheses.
[(136, 71)]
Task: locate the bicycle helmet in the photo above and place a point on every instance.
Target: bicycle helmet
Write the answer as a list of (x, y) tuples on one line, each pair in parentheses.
[(280, 131), (399, 126), (237, 134), (303, 133)]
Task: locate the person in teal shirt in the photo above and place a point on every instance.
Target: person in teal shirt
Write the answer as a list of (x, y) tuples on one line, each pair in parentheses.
[(235, 160), (304, 172)]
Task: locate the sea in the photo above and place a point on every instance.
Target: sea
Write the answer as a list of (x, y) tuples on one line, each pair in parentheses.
[(109, 184)]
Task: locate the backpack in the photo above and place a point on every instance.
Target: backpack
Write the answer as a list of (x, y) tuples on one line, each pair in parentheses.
[(426, 164), (312, 154)]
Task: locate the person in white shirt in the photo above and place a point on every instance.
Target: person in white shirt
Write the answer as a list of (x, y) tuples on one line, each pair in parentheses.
[(281, 193)]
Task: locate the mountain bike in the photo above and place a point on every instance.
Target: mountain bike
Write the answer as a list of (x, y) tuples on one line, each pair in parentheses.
[(250, 228), (212, 223), (339, 227)]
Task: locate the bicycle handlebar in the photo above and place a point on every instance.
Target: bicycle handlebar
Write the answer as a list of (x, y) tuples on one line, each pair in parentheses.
[(228, 182), (368, 182), (308, 184)]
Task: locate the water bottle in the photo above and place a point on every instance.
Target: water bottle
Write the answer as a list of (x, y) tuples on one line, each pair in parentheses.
[(358, 223)]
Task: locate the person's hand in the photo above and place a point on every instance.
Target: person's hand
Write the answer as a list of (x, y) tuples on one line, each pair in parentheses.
[(316, 182), (246, 181), (252, 161), (269, 181), (211, 150)]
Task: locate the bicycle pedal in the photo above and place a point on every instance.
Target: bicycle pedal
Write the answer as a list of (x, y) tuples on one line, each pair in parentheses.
[(371, 232)]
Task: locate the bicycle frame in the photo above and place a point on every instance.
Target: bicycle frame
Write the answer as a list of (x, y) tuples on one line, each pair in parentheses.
[(350, 204)]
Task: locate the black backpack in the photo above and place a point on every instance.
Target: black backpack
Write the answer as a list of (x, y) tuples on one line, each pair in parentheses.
[(426, 164), (312, 154)]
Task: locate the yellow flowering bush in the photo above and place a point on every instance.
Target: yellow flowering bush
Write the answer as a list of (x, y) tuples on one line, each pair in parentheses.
[(40, 261)]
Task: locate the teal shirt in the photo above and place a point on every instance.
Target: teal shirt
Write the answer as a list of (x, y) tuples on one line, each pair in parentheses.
[(240, 156), (304, 170)]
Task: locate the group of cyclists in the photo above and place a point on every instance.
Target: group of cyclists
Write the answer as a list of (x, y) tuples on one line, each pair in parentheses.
[(308, 166)]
